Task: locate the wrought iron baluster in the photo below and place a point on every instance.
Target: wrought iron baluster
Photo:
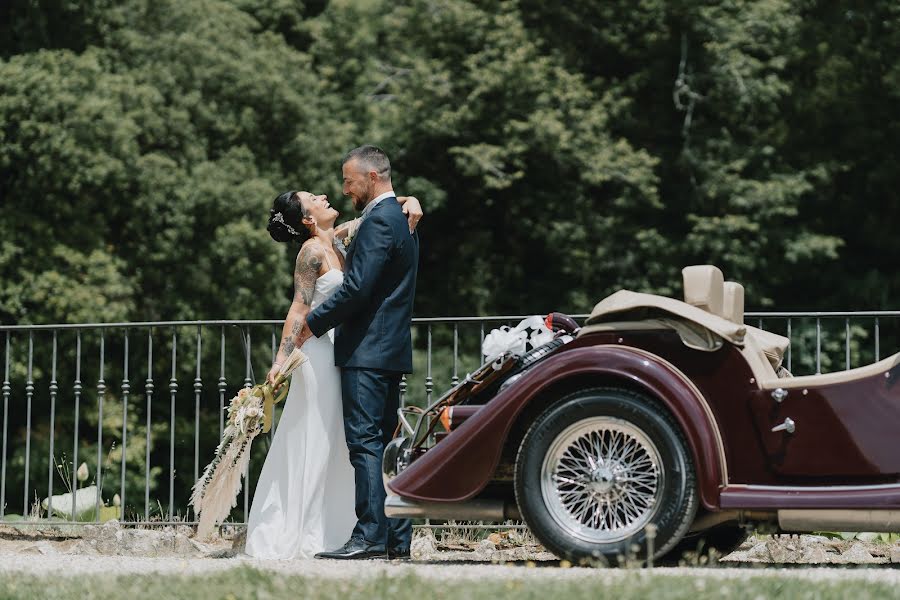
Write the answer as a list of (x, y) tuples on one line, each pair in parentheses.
[(274, 348), (455, 379), (126, 390), (148, 392), (429, 382), (198, 389), (76, 388), (29, 394), (481, 343), (6, 391), (818, 345), (403, 385), (54, 388), (789, 344), (101, 392), (877, 341), (847, 343), (247, 383), (274, 354), (173, 390), (222, 386)]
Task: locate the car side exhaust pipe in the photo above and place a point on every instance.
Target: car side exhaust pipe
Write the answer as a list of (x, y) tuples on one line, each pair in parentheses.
[(472, 510), (712, 519), (839, 520)]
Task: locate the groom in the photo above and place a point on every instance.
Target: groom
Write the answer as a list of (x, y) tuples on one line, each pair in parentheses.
[(371, 312)]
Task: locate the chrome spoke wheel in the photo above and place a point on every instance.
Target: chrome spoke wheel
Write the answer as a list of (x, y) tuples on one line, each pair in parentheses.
[(601, 479)]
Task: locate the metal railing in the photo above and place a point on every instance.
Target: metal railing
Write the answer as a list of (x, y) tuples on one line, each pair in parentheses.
[(79, 387)]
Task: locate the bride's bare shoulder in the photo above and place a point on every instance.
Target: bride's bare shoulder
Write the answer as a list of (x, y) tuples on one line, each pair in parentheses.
[(310, 261), (311, 255)]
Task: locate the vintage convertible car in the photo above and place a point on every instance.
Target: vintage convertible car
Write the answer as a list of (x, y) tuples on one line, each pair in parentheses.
[(657, 424)]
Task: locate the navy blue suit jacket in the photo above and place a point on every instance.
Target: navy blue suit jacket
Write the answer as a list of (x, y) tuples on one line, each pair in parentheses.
[(372, 309)]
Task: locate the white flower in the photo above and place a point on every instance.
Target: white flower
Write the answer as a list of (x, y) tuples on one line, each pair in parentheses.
[(117, 501), (82, 474), (351, 231), (502, 340), (535, 330), (531, 331), (239, 419), (541, 336), (252, 412)]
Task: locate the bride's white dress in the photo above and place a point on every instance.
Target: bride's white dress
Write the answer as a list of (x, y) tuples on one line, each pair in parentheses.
[(304, 499)]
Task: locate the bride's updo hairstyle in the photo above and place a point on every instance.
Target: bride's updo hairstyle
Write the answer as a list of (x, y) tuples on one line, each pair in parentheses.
[(286, 219)]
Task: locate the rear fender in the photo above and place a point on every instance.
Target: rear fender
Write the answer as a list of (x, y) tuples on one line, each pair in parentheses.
[(461, 465)]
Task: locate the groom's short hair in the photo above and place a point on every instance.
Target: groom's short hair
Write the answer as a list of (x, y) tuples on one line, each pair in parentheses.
[(371, 158)]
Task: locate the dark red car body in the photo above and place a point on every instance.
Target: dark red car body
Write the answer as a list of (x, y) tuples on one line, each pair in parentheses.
[(837, 469)]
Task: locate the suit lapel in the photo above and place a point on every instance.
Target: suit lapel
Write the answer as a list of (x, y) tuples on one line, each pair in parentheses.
[(351, 250)]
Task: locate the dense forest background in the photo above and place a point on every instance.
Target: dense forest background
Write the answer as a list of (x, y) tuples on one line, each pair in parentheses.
[(562, 151)]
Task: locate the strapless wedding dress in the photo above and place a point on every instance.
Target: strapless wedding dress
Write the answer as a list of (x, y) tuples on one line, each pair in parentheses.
[(304, 499)]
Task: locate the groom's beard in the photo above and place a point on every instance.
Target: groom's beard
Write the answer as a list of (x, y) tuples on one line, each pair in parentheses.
[(360, 203)]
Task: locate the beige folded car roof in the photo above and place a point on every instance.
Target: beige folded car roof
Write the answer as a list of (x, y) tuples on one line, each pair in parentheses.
[(616, 306)]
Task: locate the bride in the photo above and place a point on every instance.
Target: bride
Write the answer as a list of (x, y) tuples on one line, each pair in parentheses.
[(304, 499)]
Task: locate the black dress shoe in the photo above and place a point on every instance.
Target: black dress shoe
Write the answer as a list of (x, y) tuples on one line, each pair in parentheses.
[(398, 554), (355, 549)]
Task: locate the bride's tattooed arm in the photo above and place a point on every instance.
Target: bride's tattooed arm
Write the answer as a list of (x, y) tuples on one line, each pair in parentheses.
[(306, 271)]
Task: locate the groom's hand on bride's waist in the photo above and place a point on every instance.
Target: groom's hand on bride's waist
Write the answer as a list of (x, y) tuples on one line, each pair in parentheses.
[(305, 334)]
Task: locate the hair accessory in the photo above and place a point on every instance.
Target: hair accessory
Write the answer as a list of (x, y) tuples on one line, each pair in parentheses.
[(279, 218)]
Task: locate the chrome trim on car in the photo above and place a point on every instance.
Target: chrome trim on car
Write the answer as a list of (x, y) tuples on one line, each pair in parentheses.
[(509, 382), (779, 394), (733, 487), (787, 426), (816, 519), (472, 510)]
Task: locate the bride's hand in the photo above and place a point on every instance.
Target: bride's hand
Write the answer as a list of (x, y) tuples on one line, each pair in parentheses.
[(412, 209), (273, 373)]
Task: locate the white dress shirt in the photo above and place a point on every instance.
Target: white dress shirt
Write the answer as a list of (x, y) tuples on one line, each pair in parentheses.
[(368, 208)]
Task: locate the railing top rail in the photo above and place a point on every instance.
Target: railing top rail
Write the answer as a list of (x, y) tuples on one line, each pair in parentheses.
[(417, 320), (823, 314), (140, 324), (239, 322)]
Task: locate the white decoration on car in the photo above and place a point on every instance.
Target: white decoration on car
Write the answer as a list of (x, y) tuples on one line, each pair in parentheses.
[(540, 336), (530, 333), (502, 340)]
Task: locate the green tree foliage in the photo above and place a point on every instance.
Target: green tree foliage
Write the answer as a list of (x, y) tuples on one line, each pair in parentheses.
[(562, 151)]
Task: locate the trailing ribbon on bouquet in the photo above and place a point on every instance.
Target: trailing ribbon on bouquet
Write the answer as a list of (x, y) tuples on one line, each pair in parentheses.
[(530, 333), (249, 414)]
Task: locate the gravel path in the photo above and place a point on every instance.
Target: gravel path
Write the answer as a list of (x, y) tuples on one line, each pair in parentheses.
[(112, 550), (75, 565)]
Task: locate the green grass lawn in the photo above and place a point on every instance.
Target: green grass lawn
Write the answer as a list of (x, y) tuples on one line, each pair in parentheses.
[(246, 582)]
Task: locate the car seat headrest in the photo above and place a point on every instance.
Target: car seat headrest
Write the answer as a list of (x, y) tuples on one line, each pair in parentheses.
[(733, 307), (704, 287)]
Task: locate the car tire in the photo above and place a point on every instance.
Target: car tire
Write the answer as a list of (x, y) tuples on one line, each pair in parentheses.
[(587, 510), (722, 539)]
